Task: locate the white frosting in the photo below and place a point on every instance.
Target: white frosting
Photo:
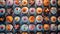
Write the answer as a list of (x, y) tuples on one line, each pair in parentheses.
[(53, 10), (31, 10), (17, 11), (39, 2), (24, 18), (39, 16), (9, 2)]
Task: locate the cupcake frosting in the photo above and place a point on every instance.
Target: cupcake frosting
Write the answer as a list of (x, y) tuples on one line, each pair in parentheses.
[(39, 2)]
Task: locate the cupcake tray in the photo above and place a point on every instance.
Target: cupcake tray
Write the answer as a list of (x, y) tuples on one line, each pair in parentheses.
[(20, 23)]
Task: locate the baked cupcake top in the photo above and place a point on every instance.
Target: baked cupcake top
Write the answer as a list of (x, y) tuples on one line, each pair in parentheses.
[(9, 19), (2, 2), (59, 2), (31, 18), (24, 10), (46, 26), (2, 19), (31, 2), (24, 2), (39, 10), (17, 2), (53, 19), (46, 2), (9, 27), (46, 10)]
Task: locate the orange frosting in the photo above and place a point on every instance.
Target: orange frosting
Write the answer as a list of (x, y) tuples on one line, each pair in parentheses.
[(31, 18), (46, 2), (46, 26), (9, 19)]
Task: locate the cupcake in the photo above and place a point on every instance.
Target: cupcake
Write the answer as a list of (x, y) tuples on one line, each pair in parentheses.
[(31, 27), (39, 33), (32, 10), (39, 19), (24, 2), (9, 27), (53, 19), (17, 19), (2, 2), (46, 26), (46, 10), (9, 19), (17, 26), (2, 27), (46, 18), (39, 27), (53, 27), (31, 2), (46, 2), (53, 2), (9, 2), (31, 18), (24, 33), (17, 10), (17, 2), (58, 2), (24, 19), (39, 10), (24, 10), (2, 11), (53, 10), (9, 11), (39, 2), (59, 27), (2, 19), (59, 19), (24, 27)]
